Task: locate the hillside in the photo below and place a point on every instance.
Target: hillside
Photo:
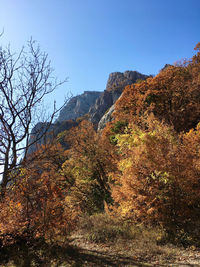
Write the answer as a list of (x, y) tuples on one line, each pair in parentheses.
[(126, 195)]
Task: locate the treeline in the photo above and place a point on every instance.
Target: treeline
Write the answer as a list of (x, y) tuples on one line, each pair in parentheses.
[(144, 167)]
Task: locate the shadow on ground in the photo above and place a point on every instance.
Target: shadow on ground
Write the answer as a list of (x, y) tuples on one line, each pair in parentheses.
[(41, 254)]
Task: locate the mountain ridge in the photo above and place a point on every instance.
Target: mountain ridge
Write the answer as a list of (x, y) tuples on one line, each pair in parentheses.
[(90, 104)]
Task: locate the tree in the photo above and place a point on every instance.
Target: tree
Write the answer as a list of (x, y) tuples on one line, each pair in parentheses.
[(158, 182), (25, 79), (173, 96), (34, 205), (90, 161)]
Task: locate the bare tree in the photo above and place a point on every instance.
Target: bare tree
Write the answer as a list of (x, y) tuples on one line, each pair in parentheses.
[(25, 79)]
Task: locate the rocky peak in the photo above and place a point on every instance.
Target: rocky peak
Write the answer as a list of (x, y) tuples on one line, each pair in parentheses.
[(93, 103), (115, 85), (118, 80), (97, 103)]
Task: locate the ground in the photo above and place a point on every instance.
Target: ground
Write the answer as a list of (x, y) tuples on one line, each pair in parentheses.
[(91, 254), (81, 252)]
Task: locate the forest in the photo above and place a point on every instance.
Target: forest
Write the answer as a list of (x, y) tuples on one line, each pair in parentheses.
[(142, 171)]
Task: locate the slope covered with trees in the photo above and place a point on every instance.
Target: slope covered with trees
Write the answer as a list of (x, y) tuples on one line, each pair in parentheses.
[(143, 168)]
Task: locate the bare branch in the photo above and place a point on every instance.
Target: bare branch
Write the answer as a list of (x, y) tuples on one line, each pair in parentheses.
[(25, 79)]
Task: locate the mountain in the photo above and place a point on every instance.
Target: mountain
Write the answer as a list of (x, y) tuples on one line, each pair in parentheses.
[(116, 83), (118, 80), (97, 103), (96, 106), (43, 133), (78, 106)]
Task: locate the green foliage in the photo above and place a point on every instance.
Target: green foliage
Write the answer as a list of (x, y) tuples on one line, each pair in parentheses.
[(113, 139), (151, 98), (139, 81), (61, 136), (118, 127)]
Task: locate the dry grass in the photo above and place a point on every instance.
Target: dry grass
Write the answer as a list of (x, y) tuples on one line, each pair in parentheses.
[(101, 240), (103, 228), (145, 243)]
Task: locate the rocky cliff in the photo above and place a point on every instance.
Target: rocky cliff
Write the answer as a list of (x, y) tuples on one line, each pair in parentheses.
[(97, 103), (98, 106), (78, 106), (118, 80), (107, 117), (42, 133), (115, 85)]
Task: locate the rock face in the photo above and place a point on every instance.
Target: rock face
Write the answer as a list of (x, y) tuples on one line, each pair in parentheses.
[(78, 106), (97, 103), (102, 104), (42, 133), (98, 106), (107, 117), (118, 80), (115, 85)]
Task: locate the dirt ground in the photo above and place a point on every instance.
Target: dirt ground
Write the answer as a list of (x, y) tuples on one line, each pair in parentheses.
[(91, 254), (81, 252)]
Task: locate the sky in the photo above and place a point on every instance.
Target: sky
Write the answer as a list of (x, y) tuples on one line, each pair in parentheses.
[(86, 40)]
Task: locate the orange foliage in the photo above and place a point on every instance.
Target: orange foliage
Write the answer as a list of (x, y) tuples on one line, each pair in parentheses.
[(159, 181), (173, 96), (91, 160), (35, 204), (147, 160)]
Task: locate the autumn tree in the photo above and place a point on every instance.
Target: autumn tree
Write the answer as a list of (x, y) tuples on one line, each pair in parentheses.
[(90, 161), (173, 96), (35, 206), (158, 177), (25, 79)]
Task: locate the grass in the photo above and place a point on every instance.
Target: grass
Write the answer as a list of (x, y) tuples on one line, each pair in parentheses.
[(102, 241), (101, 228), (145, 243)]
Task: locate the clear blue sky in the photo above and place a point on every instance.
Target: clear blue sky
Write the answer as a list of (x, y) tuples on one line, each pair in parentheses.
[(88, 39)]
